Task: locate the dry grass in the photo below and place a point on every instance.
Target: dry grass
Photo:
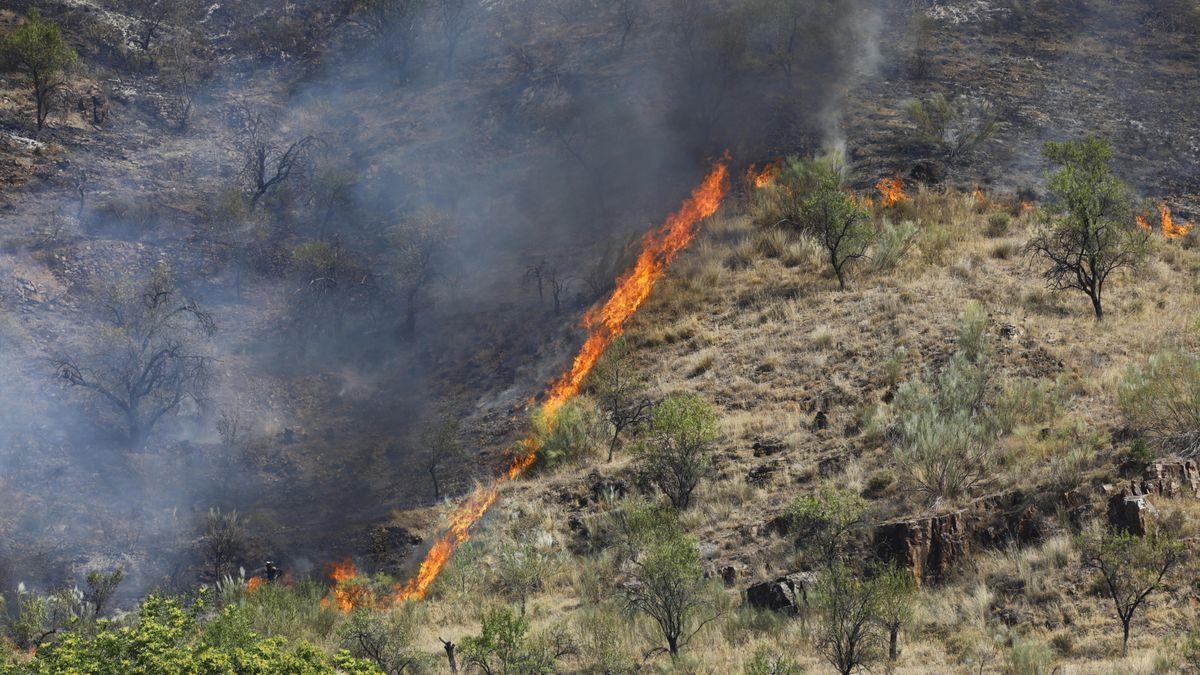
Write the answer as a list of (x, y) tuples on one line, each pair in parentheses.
[(752, 321)]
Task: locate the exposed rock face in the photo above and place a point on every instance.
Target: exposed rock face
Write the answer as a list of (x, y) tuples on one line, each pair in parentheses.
[(786, 594), (928, 546), (768, 445), (1131, 513)]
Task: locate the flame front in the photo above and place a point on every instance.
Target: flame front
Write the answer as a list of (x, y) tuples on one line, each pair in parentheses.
[(1170, 228), (603, 323), (891, 191), (766, 176), (347, 592)]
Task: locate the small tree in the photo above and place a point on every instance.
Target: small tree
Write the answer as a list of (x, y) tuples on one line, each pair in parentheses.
[(267, 161), (505, 646), (1093, 233), (440, 448), (393, 25), (897, 587), (850, 635), (419, 244), (1129, 568), (222, 541), (827, 523), (812, 198), (953, 127), (522, 566), (676, 452), (384, 637), (100, 587), (572, 434), (148, 362), (668, 586), (152, 16), (185, 66), (37, 49), (454, 18), (620, 392)]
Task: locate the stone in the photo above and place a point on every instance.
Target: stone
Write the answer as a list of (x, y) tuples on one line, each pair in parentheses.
[(928, 546), (787, 594), (768, 445), (1131, 513)]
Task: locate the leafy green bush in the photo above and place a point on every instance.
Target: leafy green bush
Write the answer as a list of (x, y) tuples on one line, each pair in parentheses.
[(165, 637), (952, 127), (893, 243), (676, 450), (1162, 400), (505, 645), (575, 432)]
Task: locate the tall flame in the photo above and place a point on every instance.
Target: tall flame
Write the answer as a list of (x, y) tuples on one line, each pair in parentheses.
[(891, 191), (1170, 228), (603, 323)]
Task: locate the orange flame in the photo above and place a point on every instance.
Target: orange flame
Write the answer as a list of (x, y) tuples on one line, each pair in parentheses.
[(253, 584), (603, 323), (766, 176), (1170, 228), (1026, 206), (1142, 222), (891, 191), (348, 590), (979, 197)]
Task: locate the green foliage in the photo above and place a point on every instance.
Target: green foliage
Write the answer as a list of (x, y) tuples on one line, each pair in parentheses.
[(827, 521), (575, 432), (292, 612), (635, 523), (892, 244), (897, 587), (953, 127), (1091, 232), (603, 644), (505, 645), (1162, 400), (383, 637), (769, 662), (997, 224), (946, 437), (1028, 656), (1129, 567), (37, 49), (812, 198), (849, 634), (101, 587), (620, 392), (165, 638), (676, 451), (522, 565), (669, 587)]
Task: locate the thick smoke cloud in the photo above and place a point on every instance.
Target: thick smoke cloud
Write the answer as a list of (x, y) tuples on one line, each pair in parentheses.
[(548, 146)]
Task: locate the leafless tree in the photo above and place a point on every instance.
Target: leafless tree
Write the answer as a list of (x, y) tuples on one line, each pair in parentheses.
[(620, 392), (393, 24), (537, 273), (184, 68), (440, 448), (454, 17), (268, 161), (151, 16), (629, 14), (222, 541), (418, 243), (147, 362)]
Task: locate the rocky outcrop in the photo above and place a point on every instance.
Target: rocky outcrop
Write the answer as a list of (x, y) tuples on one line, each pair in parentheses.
[(1129, 505), (1131, 513), (787, 594), (928, 546)]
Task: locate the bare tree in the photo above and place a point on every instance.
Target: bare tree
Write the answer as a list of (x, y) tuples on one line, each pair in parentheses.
[(152, 16), (148, 361), (393, 24), (537, 274), (620, 392), (419, 243), (629, 14), (454, 17), (440, 448), (222, 541), (184, 68), (267, 161)]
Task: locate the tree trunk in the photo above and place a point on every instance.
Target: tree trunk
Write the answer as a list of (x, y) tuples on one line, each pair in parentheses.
[(450, 646), (673, 645), (1097, 307), (612, 444), (893, 634), (1125, 635)]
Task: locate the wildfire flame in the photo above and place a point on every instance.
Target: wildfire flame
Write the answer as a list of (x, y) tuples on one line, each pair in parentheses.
[(1142, 222), (979, 197), (761, 178), (253, 584), (603, 323), (347, 593), (891, 191), (1170, 228)]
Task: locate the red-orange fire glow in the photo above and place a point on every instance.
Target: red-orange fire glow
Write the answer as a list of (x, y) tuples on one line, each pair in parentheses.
[(1171, 228), (348, 590), (761, 178), (253, 584), (603, 323), (891, 191)]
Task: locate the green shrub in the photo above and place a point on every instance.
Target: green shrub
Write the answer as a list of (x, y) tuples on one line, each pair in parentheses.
[(575, 432), (505, 645), (935, 241), (1027, 656), (676, 450), (997, 224), (892, 245), (1161, 399)]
